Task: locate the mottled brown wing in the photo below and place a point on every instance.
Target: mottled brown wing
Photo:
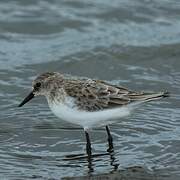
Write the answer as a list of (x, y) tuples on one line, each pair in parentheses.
[(119, 95), (93, 95)]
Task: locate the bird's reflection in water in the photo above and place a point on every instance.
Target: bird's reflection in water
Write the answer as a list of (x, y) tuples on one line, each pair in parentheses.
[(90, 164), (92, 158), (113, 162)]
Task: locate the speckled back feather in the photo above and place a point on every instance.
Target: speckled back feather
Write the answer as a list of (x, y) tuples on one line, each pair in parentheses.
[(95, 95)]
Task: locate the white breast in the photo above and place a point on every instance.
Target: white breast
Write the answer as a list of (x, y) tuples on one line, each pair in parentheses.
[(68, 112)]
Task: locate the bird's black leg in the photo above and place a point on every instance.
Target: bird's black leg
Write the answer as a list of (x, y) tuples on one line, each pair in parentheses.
[(110, 140), (88, 145)]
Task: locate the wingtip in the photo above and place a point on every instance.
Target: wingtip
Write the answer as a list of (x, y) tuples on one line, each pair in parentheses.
[(166, 94)]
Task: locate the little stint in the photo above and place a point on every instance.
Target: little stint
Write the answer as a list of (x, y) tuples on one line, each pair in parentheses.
[(88, 102)]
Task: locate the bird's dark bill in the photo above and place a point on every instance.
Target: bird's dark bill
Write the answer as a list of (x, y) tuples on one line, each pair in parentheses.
[(28, 98)]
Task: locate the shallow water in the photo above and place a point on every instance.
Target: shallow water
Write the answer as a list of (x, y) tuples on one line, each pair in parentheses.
[(135, 44)]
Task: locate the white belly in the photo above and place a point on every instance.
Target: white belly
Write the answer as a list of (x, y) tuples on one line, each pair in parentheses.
[(88, 119)]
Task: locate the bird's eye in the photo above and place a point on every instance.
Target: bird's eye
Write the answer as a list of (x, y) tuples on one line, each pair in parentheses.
[(37, 86)]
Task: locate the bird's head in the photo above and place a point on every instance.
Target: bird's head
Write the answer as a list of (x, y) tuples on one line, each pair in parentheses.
[(45, 84)]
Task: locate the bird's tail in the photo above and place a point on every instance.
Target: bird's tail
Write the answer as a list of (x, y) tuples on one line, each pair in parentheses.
[(152, 96), (139, 99)]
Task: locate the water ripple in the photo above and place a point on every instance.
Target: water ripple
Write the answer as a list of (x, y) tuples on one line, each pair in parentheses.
[(134, 44)]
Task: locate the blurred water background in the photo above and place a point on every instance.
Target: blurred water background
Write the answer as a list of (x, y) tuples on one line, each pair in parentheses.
[(131, 43)]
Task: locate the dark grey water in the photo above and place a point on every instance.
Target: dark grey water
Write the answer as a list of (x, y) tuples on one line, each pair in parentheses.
[(132, 43)]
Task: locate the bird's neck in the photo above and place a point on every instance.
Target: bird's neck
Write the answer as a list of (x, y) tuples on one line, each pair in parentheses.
[(56, 96)]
